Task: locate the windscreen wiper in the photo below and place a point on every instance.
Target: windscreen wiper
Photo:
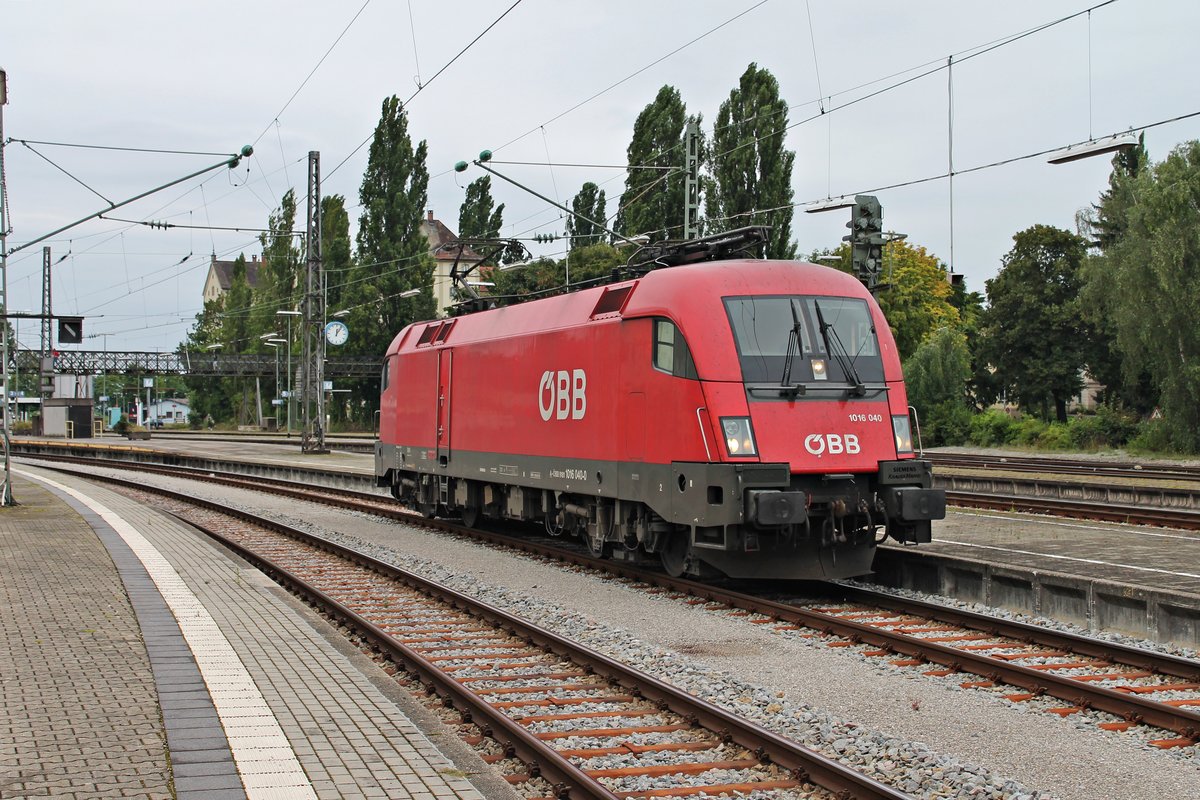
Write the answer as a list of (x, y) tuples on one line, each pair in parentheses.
[(786, 387), (839, 354)]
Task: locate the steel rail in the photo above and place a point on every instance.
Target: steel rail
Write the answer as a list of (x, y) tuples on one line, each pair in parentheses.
[(807, 764), (1123, 469), (1079, 509), (1161, 663), (1129, 707)]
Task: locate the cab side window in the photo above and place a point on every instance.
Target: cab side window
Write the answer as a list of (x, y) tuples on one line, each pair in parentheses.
[(671, 352)]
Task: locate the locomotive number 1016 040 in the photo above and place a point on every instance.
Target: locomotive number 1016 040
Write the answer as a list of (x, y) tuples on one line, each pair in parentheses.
[(866, 417)]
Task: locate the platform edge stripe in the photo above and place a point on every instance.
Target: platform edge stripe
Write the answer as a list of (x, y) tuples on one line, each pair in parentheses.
[(200, 630)]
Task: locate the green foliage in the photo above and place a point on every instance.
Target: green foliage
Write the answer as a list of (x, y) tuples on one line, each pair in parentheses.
[(1126, 380), (1148, 280), (751, 170), (1107, 428), (938, 371), (992, 428), (1054, 436), (281, 274), (586, 226), (936, 378), (335, 251), (946, 424), (917, 300), (393, 251), (516, 285), (1033, 328), (592, 261), (653, 198), (1153, 436), (479, 217)]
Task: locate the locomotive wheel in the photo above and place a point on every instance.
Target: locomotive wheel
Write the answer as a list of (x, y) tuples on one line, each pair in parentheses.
[(470, 516), (674, 554), (428, 510)]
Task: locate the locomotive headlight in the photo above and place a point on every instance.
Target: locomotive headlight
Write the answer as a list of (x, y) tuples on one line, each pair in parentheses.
[(739, 436), (818, 369), (903, 431)]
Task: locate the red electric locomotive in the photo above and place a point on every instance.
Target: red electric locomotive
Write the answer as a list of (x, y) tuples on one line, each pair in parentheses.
[(744, 418)]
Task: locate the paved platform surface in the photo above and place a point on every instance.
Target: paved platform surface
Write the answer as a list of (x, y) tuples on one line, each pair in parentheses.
[(139, 660)]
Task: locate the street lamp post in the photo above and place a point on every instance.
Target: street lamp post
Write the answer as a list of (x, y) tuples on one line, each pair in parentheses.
[(289, 314)]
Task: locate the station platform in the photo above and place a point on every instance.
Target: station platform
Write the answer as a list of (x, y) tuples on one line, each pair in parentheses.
[(141, 660)]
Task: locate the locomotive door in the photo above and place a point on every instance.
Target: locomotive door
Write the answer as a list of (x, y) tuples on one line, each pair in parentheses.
[(445, 373)]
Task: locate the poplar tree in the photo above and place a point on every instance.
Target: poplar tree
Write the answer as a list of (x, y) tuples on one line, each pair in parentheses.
[(392, 249), (751, 169), (588, 203), (280, 268), (477, 218), (653, 200), (335, 251)]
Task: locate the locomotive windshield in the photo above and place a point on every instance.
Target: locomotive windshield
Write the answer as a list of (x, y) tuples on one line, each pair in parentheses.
[(765, 326)]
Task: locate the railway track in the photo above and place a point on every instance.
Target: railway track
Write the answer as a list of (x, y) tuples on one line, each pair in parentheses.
[(1181, 518), (1134, 686), (1065, 466), (585, 724)]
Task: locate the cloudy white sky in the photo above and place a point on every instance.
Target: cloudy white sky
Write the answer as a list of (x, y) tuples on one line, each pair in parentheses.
[(211, 77)]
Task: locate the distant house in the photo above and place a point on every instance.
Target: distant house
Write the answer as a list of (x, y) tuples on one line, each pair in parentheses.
[(438, 235), (220, 273), (173, 411), (220, 277)]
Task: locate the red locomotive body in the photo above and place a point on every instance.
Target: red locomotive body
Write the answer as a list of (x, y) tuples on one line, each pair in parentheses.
[(742, 418)]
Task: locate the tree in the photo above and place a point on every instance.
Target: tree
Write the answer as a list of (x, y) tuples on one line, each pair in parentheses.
[(592, 261), (279, 274), (751, 170), (543, 276), (918, 298), (236, 338), (1151, 269), (207, 395), (335, 250), (937, 376), (1126, 381), (393, 252), (653, 200), (1033, 327), (477, 219), (1107, 220), (588, 204)]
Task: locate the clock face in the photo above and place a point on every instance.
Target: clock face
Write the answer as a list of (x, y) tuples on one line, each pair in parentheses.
[(336, 332)]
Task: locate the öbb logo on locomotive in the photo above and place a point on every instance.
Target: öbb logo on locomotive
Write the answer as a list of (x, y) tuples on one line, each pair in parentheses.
[(562, 394), (832, 443)]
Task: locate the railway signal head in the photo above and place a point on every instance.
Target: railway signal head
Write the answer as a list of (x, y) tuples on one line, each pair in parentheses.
[(866, 238)]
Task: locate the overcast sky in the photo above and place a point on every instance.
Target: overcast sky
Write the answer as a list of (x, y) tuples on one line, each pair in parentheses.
[(211, 77)]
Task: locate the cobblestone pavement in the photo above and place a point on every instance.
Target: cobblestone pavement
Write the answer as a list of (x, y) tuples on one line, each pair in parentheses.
[(81, 716)]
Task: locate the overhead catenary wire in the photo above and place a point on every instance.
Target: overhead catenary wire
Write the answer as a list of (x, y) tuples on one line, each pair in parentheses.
[(425, 85)]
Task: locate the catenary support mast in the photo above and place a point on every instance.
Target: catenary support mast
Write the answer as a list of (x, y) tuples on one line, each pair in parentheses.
[(312, 370)]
